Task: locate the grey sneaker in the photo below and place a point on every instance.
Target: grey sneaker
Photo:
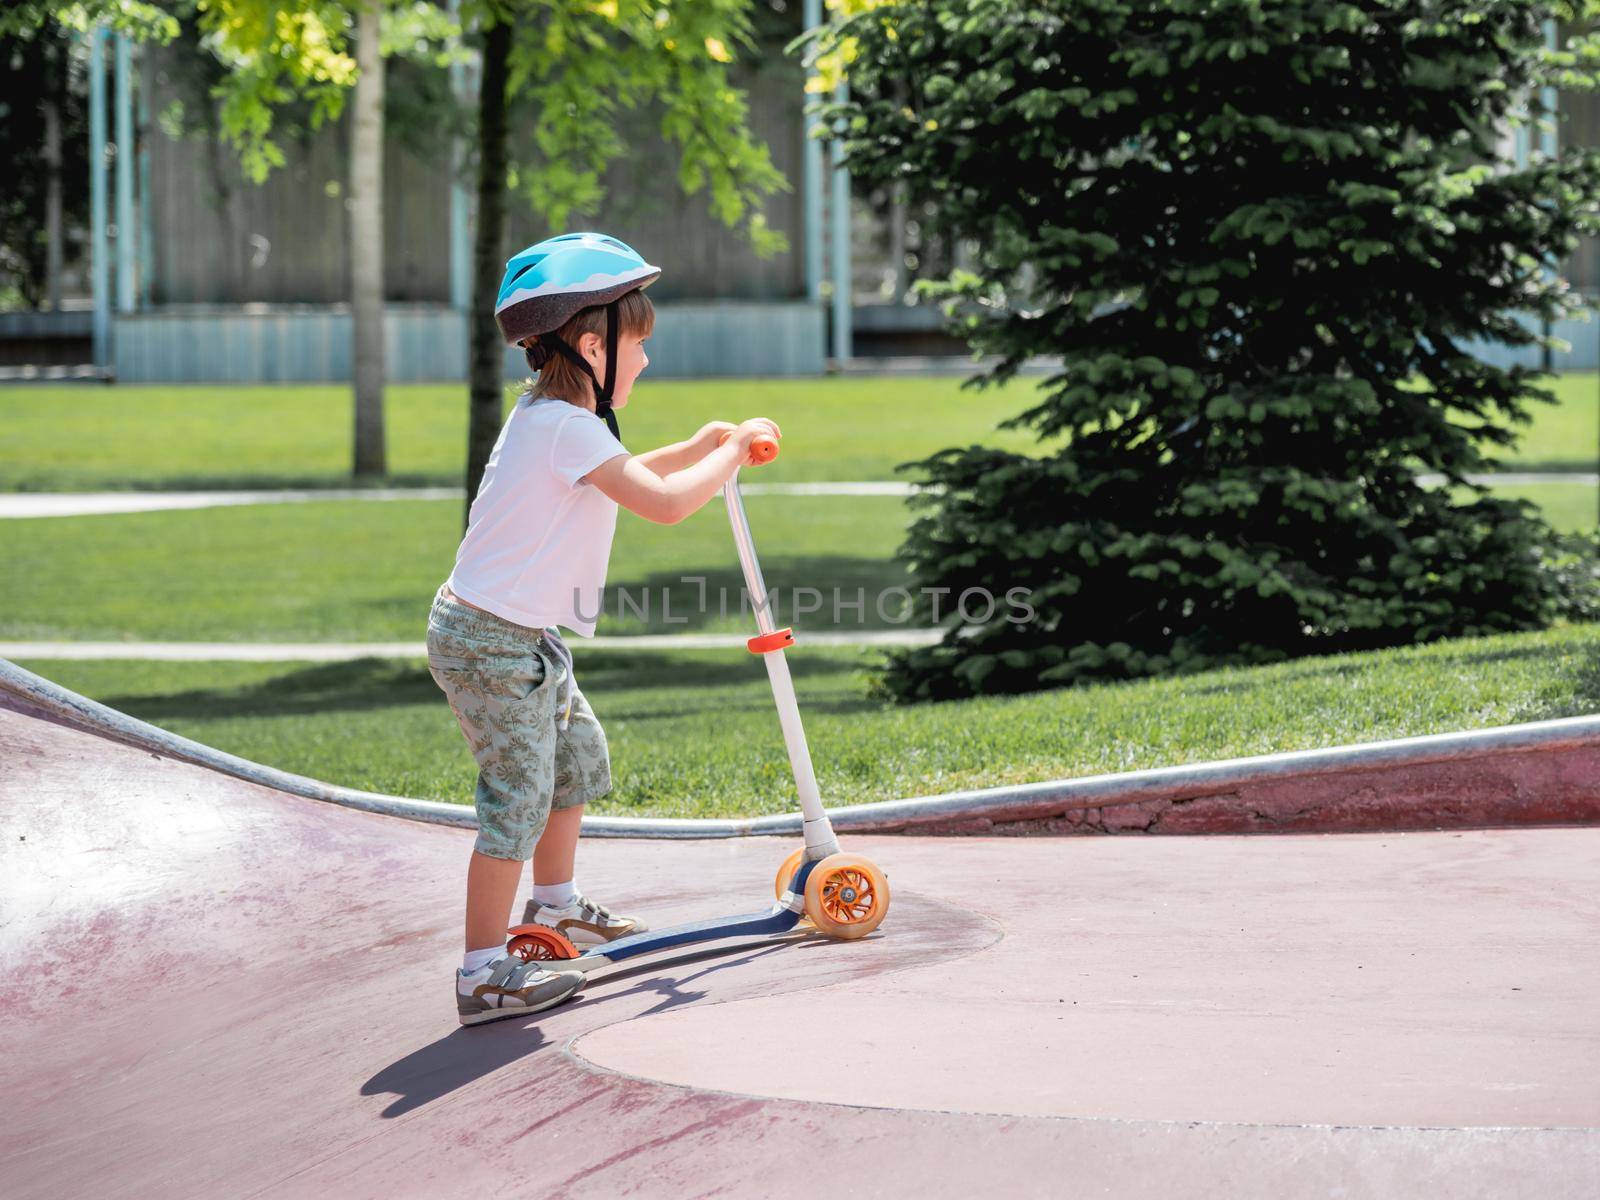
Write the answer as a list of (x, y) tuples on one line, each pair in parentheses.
[(509, 987), (584, 922)]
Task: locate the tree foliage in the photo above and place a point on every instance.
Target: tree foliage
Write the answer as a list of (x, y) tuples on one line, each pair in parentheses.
[(585, 63), (142, 21), (1259, 233), (575, 66), (38, 69), (563, 68)]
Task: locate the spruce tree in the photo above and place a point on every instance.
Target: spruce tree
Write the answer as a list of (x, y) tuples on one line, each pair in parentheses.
[(1260, 234)]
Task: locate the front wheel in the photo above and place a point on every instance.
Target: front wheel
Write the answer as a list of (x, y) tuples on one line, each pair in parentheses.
[(785, 877), (847, 896), (780, 885)]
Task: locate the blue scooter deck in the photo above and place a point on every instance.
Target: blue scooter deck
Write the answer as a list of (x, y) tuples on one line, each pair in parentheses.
[(776, 919)]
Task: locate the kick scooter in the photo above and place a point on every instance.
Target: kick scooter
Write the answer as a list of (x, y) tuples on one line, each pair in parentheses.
[(843, 895)]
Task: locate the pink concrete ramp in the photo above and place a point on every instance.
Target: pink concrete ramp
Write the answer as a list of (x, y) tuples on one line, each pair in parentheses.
[(213, 989)]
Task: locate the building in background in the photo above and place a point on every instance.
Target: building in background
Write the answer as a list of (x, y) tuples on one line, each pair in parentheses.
[(229, 281)]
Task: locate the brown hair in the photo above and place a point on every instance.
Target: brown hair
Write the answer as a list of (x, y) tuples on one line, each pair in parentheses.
[(560, 377)]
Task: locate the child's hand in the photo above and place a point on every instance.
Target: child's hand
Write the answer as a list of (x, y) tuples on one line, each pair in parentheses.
[(711, 436), (752, 429)]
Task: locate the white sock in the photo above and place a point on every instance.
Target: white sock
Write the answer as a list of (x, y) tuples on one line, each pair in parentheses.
[(557, 895), (475, 960)]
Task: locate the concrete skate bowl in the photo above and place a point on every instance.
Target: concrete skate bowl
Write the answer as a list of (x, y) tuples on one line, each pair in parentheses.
[(217, 988)]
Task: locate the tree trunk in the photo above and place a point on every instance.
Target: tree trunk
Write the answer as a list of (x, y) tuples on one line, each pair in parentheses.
[(486, 352), (52, 196), (366, 245), (898, 216)]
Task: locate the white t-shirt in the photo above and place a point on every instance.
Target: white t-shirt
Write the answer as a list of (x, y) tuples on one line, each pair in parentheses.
[(537, 540)]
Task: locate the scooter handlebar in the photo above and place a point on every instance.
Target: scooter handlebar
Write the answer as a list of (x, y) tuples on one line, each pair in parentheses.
[(763, 449)]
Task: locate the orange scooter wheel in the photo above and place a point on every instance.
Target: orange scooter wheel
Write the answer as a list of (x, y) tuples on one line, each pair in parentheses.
[(847, 896), (538, 943), (780, 885)]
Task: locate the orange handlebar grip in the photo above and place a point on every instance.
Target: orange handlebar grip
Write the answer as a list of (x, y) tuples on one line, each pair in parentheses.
[(762, 449)]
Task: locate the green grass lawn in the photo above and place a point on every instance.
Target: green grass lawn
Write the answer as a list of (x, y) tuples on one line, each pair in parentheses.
[(695, 734), (358, 571), (1569, 507), (1564, 436), (72, 438), (362, 571), (76, 438)]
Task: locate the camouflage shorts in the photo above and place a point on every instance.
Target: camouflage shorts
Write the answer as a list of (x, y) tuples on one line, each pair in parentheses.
[(502, 681)]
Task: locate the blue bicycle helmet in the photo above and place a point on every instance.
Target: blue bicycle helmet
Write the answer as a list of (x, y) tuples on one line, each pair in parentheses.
[(548, 284)]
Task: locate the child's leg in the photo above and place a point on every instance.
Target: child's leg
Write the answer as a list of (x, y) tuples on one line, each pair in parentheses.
[(491, 890), (496, 985), (501, 688), (583, 773), (555, 857)]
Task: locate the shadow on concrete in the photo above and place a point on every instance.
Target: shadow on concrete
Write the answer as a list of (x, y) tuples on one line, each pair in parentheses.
[(466, 1055)]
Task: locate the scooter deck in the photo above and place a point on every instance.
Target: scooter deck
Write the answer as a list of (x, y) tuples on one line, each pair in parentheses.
[(777, 919)]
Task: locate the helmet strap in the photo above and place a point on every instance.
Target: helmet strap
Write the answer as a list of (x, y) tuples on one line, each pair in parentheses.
[(602, 403), (602, 392)]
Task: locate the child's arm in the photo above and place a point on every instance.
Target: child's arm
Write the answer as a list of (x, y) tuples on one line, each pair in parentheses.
[(677, 455), (669, 499)]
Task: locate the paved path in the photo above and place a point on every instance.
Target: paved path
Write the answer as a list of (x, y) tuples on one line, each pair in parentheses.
[(86, 504), (210, 988), (1522, 478), (346, 651), (83, 504)]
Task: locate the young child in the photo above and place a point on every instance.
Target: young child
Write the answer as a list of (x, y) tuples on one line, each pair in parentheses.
[(533, 558)]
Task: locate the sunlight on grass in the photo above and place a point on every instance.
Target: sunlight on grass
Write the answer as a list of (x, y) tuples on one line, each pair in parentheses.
[(695, 734)]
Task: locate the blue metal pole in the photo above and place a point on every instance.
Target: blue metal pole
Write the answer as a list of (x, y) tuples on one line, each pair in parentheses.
[(1547, 147), (146, 217), (1550, 144), (842, 339), (811, 183), (124, 111), (97, 199), (1547, 138), (460, 199)]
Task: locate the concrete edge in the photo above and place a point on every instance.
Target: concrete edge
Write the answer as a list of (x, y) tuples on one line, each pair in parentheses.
[(1547, 777), (60, 702)]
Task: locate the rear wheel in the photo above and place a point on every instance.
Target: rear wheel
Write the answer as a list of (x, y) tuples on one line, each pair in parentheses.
[(538, 943)]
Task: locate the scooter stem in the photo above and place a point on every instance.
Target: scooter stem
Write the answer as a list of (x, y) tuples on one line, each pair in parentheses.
[(819, 836)]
